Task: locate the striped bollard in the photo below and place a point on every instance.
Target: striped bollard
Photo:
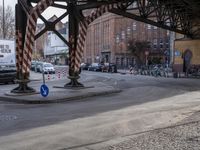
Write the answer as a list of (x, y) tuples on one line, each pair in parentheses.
[(59, 75), (48, 76)]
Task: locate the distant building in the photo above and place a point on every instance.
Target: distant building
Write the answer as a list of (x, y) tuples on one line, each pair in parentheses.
[(108, 36), (55, 49), (51, 47)]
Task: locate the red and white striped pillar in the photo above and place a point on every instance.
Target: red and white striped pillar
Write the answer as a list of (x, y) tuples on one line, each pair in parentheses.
[(30, 34)]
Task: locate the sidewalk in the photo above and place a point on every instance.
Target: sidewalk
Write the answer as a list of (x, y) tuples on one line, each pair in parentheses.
[(184, 135)]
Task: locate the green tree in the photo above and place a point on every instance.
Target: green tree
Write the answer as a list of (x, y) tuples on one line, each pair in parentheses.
[(137, 49)]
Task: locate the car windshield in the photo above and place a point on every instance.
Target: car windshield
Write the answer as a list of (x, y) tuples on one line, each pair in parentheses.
[(95, 64), (48, 65)]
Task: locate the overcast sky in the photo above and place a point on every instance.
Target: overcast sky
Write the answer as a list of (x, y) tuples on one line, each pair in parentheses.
[(47, 14), (9, 2)]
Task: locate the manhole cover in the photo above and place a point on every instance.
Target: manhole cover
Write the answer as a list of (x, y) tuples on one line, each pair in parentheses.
[(7, 117)]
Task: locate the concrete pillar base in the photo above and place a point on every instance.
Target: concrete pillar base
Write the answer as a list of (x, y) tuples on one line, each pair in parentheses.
[(74, 82), (23, 87)]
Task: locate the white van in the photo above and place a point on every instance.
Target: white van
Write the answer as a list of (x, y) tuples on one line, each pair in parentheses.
[(7, 61)]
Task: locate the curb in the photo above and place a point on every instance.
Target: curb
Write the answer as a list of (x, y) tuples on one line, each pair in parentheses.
[(59, 100)]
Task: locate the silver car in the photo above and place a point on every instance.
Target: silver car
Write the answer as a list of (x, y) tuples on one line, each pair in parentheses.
[(48, 68)]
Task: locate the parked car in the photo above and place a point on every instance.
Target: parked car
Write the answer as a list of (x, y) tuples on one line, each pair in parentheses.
[(105, 67), (38, 66), (109, 67), (48, 68), (95, 67), (84, 66), (8, 73), (33, 65), (112, 68)]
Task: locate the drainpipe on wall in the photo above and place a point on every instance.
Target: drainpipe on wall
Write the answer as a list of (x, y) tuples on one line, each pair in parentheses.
[(172, 39)]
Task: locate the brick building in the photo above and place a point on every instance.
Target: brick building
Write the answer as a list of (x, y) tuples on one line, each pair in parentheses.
[(108, 36)]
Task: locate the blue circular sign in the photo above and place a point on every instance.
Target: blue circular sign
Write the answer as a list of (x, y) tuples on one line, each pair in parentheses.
[(44, 90)]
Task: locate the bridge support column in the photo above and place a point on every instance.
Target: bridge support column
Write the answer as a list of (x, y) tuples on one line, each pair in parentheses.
[(22, 78), (73, 37)]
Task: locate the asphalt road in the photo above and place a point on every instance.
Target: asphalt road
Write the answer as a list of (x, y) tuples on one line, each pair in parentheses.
[(145, 103)]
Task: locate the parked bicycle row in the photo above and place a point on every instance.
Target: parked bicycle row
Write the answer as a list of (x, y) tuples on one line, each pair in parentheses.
[(193, 70), (157, 70)]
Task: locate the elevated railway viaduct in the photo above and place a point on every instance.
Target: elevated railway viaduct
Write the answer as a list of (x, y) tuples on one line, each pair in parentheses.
[(180, 16)]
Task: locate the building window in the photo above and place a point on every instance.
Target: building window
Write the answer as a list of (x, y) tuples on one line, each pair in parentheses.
[(155, 27), (155, 41), (134, 26), (128, 31), (168, 32), (106, 33), (117, 38), (167, 42), (161, 41), (123, 35), (148, 26)]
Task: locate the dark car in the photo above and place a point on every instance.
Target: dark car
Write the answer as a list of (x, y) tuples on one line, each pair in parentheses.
[(109, 67), (8, 73), (95, 67), (85, 66), (33, 65), (105, 67), (112, 68), (38, 66)]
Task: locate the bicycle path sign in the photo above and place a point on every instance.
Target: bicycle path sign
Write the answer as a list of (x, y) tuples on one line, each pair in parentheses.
[(44, 90)]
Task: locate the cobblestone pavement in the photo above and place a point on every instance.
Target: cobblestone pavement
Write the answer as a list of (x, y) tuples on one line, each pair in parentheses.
[(185, 135)]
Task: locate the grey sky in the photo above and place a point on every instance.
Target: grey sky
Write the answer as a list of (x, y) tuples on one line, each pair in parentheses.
[(47, 14), (9, 2)]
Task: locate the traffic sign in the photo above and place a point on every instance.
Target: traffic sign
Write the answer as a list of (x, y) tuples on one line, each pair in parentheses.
[(44, 90)]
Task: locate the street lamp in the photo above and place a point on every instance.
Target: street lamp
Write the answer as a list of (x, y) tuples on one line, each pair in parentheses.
[(98, 59), (146, 57), (3, 21)]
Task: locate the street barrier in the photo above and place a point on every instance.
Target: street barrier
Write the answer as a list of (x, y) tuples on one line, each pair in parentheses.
[(48, 76), (59, 74)]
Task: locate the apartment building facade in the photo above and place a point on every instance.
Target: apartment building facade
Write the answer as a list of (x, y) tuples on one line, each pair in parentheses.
[(108, 37)]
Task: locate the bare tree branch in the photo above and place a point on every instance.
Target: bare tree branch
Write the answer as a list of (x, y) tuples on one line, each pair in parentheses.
[(9, 28)]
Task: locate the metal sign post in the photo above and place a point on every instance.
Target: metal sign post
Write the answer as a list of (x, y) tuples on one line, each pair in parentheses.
[(43, 77), (44, 90)]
